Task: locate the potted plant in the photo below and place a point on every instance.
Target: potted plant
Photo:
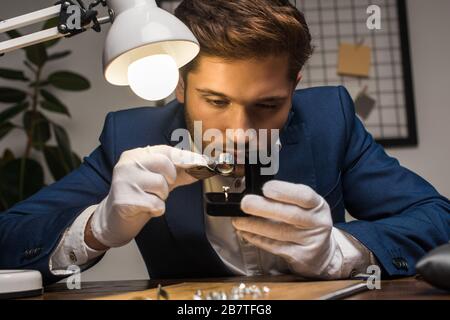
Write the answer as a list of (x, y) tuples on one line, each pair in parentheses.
[(25, 110)]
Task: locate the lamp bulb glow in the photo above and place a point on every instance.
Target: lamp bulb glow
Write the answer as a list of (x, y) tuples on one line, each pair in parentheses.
[(154, 77)]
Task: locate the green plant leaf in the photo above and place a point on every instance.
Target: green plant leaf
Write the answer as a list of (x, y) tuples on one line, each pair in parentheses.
[(37, 54), (57, 162), (77, 160), (52, 103), (63, 141), (51, 23), (10, 180), (38, 127), (10, 95), (13, 111), (59, 55), (8, 155), (5, 128), (13, 74), (53, 107), (68, 80), (47, 95), (29, 66)]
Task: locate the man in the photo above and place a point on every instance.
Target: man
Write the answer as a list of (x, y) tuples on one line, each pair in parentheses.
[(135, 184)]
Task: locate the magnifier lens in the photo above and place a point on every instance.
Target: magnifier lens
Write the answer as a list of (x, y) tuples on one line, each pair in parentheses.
[(225, 164)]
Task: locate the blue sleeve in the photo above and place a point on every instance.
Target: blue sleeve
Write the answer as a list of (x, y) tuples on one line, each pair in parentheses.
[(31, 230), (401, 216)]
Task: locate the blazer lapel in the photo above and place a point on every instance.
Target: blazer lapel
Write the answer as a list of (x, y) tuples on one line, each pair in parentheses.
[(296, 157)]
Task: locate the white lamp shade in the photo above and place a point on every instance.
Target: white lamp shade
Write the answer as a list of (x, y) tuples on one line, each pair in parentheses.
[(141, 29)]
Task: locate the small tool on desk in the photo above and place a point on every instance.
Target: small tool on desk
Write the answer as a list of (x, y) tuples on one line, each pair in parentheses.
[(161, 293)]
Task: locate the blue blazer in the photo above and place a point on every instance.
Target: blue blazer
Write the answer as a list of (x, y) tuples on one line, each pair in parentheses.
[(325, 146)]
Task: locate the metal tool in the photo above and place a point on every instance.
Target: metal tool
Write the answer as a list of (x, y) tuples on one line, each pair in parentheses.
[(161, 293), (223, 165), (238, 292)]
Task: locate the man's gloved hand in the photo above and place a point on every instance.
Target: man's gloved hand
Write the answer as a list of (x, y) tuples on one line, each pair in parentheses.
[(141, 182), (293, 222)]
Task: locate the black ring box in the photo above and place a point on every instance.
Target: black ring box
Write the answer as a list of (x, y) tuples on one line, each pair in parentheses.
[(218, 206)]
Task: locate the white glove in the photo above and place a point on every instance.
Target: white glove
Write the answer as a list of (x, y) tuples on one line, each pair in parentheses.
[(141, 182), (294, 222)]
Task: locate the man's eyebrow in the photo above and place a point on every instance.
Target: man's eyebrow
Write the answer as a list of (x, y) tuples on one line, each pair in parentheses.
[(273, 99), (220, 94), (212, 93)]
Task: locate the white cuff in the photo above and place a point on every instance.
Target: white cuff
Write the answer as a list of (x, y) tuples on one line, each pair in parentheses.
[(72, 250), (351, 256)]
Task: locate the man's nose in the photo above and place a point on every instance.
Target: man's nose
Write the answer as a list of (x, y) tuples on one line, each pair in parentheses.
[(241, 127), (240, 119)]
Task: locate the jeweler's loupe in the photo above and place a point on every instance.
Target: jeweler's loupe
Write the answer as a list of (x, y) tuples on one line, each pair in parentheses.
[(223, 165)]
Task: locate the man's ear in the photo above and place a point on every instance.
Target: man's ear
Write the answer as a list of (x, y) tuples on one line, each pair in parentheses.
[(179, 91), (299, 78)]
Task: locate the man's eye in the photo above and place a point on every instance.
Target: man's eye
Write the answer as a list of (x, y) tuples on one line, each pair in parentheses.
[(217, 103)]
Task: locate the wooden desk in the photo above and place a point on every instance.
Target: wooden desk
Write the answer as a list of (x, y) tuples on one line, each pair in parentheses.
[(409, 288)]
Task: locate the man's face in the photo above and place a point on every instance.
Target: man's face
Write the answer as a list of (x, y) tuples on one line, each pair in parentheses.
[(239, 94)]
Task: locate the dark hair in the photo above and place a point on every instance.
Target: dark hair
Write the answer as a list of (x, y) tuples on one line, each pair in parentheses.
[(243, 29)]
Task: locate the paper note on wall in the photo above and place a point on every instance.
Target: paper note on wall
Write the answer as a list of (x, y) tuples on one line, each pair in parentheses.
[(354, 60), (364, 104)]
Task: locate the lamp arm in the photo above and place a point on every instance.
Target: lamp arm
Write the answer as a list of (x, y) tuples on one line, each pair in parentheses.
[(89, 21)]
